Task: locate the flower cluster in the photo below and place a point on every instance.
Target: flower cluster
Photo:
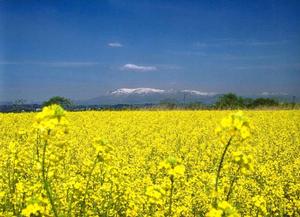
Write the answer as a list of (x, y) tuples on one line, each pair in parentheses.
[(235, 125), (224, 209), (173, 167), (52, 120), (244, 161)]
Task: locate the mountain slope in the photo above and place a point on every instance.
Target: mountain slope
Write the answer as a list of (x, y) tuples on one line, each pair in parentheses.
[(150, 95)]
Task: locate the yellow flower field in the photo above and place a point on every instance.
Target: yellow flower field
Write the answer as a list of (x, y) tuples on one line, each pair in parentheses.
[(150, 163)]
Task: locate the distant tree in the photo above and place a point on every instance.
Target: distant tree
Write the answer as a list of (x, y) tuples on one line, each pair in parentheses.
[(230, 101), (293, 101), (265, 102), (248, 102), (195, 105), (168, 103), (62, 101)]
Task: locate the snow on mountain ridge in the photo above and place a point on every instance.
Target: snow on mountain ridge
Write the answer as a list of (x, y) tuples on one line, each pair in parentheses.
[(196, 92), (124, 91), (273, 94), (146, 90)]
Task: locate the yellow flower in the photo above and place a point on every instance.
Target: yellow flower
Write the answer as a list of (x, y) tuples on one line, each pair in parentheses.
[(173, 167), (214, 213), (32, 210), (224, 209), (244, 161), (234, 125), (245, 132), (179, 170), (260, 203), (155, 194), (51, 117)]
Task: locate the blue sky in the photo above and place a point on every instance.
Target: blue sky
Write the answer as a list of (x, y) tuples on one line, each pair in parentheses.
[(82, 49)]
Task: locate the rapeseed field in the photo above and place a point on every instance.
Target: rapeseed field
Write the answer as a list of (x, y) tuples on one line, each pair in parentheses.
[(150, 163)]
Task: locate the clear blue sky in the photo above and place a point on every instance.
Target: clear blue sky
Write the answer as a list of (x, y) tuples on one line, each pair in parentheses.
[(82, 49)]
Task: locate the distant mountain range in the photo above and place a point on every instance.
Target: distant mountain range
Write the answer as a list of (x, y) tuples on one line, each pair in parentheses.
[(145, 95), (152, 95)]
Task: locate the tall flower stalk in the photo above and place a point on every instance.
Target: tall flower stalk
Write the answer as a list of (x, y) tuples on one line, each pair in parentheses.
[(49, 121), (221, 165), (235, 126), (46, 183)]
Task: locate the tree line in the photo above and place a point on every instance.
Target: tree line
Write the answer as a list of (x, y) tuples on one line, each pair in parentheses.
[(232, 101), (226, 101)]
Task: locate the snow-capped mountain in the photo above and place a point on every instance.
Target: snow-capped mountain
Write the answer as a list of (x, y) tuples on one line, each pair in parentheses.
[(142, 95), (196, 92), (151, 95), (141, 90), (146, 90), (274, 94)]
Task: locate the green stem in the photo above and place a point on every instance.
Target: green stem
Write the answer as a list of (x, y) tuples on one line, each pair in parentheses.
[(82, 211), (232, 183), (171, 195), (45, 181), (220, 167)]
